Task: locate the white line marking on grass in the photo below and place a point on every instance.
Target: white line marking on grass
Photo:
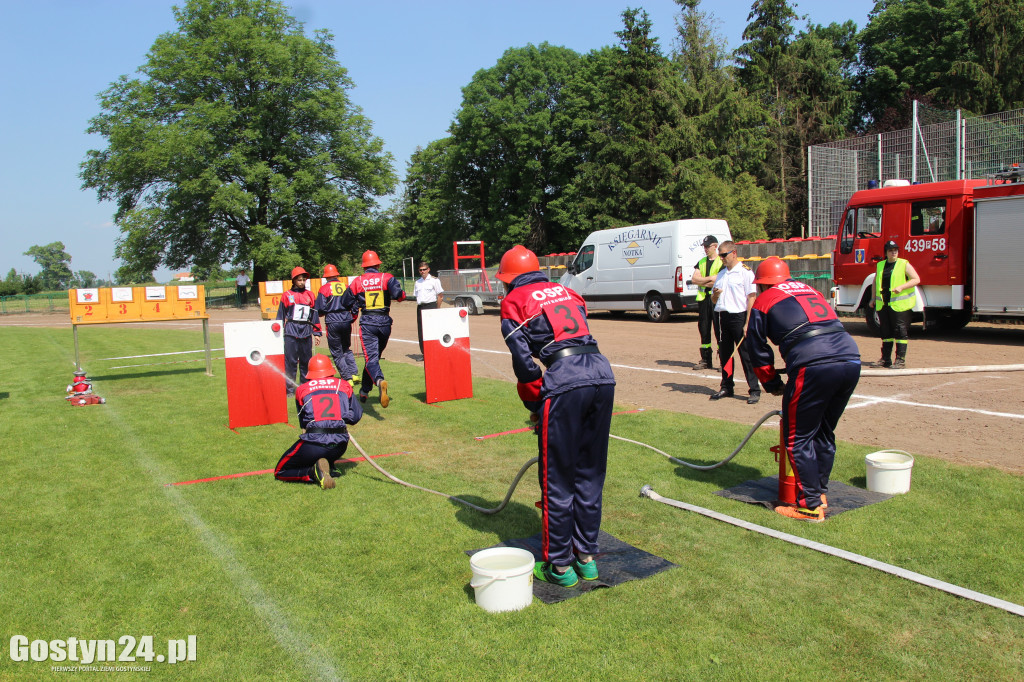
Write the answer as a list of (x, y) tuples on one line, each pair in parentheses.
[(299, 645)]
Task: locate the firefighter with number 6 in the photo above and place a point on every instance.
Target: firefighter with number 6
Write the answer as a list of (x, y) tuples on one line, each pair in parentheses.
[(326, 408), (372, 292), (823, 365), (572, 402), (337, 322)]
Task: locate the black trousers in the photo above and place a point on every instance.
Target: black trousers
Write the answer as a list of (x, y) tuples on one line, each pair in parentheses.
[(894, 326), (732, 329), (297, 354), (706, 321), (420, 307)]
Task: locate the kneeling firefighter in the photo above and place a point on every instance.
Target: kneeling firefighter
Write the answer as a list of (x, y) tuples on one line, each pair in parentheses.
[(326, 406)]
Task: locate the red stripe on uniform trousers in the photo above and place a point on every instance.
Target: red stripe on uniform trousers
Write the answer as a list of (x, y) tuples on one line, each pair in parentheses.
[(798, 384), (545, 535), (285, 460)]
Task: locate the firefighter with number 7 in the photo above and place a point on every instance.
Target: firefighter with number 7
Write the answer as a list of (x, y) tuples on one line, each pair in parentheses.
[(823, 365), (572, 402), (372, 292)]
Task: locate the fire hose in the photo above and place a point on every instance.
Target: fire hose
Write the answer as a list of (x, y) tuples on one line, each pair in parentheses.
[(708, 467), (482, 510), (534, 460)]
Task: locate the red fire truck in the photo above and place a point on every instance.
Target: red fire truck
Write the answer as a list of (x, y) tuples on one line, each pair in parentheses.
[(964, 238)]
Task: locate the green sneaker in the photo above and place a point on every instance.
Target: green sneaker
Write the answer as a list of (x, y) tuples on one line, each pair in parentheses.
[(586, 570), (543, 570)]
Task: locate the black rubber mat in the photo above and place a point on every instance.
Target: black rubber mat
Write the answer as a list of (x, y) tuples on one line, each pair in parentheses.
[(765, 491), (618, 562)]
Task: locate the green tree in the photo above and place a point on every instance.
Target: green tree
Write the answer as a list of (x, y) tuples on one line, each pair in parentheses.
[(127, 274), (713, 176), (998, 33), (238, 144), (511, 146), (428, 215), (84, 279), (11, 285), (634, 133), (766, 70), (55, 264), (922, 49)]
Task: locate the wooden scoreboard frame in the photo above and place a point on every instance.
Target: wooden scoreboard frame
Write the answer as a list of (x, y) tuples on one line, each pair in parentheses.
[(114, 305)]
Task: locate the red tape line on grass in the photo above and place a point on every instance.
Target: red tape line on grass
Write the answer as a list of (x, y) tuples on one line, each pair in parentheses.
[(270, 471), (530, 428)]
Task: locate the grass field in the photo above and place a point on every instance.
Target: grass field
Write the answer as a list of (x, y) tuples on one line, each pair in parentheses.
[(369, 581)]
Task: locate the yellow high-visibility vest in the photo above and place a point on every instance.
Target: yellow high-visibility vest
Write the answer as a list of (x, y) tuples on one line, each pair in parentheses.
[(716, 265), (904, 300)]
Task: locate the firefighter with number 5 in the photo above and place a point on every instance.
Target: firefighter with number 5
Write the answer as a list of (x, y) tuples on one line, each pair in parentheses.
[(326, 407), (573, 403), (372, 292), (823, 365)]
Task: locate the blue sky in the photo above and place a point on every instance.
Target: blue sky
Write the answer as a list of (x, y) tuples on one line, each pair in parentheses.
[(409, 60)]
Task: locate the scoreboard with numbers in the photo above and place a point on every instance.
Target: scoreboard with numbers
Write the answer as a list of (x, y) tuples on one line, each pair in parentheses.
[(137, 304)]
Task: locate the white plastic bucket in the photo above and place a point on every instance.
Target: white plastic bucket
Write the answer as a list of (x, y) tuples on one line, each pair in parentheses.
[(502, 578), (889, 471)]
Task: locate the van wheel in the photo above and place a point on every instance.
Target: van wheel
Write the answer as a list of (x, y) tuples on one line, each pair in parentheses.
[(655, 308)]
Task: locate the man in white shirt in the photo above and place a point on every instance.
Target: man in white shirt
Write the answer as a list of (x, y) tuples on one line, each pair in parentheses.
[(734, 292), (428, 294), (242, 288)]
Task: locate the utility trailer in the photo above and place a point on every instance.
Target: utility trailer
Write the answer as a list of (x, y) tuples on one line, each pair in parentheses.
[(471, 288)]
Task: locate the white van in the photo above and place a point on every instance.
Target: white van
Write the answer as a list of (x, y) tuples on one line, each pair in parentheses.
[(644, 267)]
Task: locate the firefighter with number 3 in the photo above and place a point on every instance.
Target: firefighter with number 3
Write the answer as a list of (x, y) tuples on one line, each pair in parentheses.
[(823, 365), (572, 401), (372, 292), (326, 408)]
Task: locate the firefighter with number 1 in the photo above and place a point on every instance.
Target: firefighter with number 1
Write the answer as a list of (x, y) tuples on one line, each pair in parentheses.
[(572, 402), (372, 292), (301, 325)]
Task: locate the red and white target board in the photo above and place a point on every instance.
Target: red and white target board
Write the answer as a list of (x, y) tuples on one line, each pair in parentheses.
[(254, 369), (446, 363)]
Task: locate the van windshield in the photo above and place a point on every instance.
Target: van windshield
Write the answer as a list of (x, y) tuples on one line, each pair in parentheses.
[(584, 259)]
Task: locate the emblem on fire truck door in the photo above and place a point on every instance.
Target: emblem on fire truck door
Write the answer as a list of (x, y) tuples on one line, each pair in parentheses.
[(858, 255)]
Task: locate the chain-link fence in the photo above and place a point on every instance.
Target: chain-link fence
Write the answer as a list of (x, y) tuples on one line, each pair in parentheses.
[(941, 145)]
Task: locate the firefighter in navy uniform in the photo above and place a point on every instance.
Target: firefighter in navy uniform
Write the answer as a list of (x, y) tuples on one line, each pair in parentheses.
[(301, 324), (337, 323), (572, 402), (823, 365), (372, 292), (326, 406)]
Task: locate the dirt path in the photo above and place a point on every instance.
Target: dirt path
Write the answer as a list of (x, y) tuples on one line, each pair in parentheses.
[(975, 418)]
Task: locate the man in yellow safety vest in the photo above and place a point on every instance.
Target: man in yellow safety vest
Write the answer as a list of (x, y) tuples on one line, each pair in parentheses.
[(895, 296), (704, 274)]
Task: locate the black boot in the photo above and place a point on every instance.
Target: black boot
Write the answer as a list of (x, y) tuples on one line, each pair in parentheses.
[(886, 360), (901, 356), (705, 359)]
